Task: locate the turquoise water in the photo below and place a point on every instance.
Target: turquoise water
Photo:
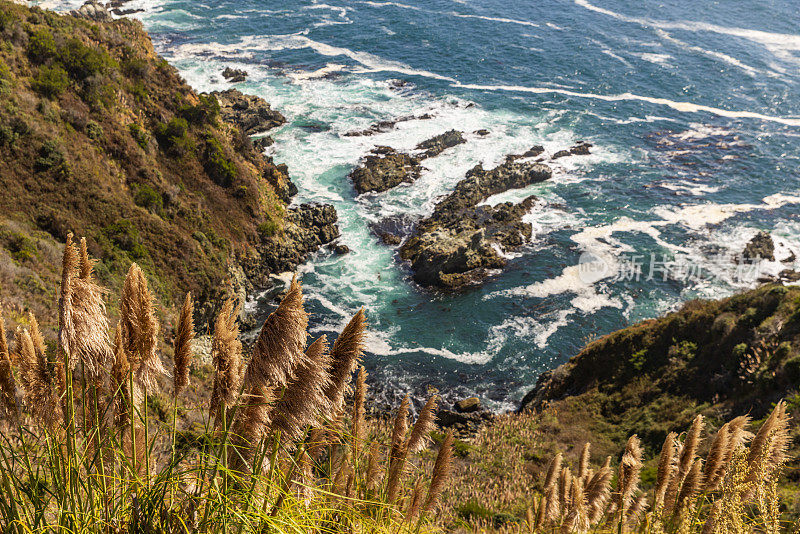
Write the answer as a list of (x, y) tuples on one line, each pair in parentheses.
[(693, 109)]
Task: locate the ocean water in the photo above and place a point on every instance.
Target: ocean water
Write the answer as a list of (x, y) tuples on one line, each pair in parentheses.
[(693, 109)]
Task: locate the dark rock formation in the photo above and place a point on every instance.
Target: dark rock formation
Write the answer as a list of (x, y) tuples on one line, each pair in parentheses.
[(386, 168), (463, 424), (581, 149), (483, 132), (94, 11), (261, 143), (468, 405), (461, 242), (436, 145), (306, 229), (383, 169), (341, 249), (251, 113), (761, 246), (234, 75)]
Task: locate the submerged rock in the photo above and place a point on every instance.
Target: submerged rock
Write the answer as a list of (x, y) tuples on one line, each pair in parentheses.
[(251, 113), (385, 126), (461, 242), (761, 246)]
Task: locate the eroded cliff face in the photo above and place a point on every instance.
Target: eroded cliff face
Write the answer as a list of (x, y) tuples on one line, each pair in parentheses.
[(100, 136)]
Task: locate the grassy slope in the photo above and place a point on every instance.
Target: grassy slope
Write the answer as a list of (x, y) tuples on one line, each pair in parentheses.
[(93, 141), (720, 358)]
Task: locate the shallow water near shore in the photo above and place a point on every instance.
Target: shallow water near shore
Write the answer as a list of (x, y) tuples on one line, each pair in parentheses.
[(694, 117)]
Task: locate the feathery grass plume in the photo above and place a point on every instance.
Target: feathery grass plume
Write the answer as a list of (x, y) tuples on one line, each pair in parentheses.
[(226, 357), (398, 452), (576, 519), (304, 398), (629, 468), (691, 485), (86, 269), (769, 446), (552, 504), (583, 463), (638, 508), (737, 436), (252, 424), (358, 411), (65, 326), (120, 385), (666, 469), (346, 354), (710, 526), (530, 520), (140, 328), (553, 471), (541, 513), (38, 379), (424, 426), (281, 342), (416, 500), (441, 471), (373, 467), (715, 461), (183, 346), (686, 457), (564, 489), (8, 387), (598, 491)]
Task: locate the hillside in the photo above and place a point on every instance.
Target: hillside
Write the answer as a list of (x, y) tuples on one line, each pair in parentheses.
[(101, 136)]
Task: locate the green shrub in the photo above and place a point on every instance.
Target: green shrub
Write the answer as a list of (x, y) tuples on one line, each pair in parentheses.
[(41, 46), (6, 78), (792, 368), (146, 197), (783, 350), (205, 112), (139, 91), (125, 236), (82, 61), (19, 245), (140, 135), (219, 168), (739, 351), (684, 351), (6, 20), (638, 359), (50, 155), (173, 136), (51, 81), (94, 131), (134, 66)]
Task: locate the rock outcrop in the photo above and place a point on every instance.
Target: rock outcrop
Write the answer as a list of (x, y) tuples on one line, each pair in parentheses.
[(580, 149), (234, 75), (94, 11), (462, 241), (307, 228), (386, 167), (436, 145), (251, 113), (761, 246), (387, 125)]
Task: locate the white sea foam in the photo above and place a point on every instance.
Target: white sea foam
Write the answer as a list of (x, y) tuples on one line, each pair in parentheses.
[(719, 56), (684, 107), (783, 46)]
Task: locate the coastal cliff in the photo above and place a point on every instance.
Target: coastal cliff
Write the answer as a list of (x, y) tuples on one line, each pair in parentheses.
[(102, 137)]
